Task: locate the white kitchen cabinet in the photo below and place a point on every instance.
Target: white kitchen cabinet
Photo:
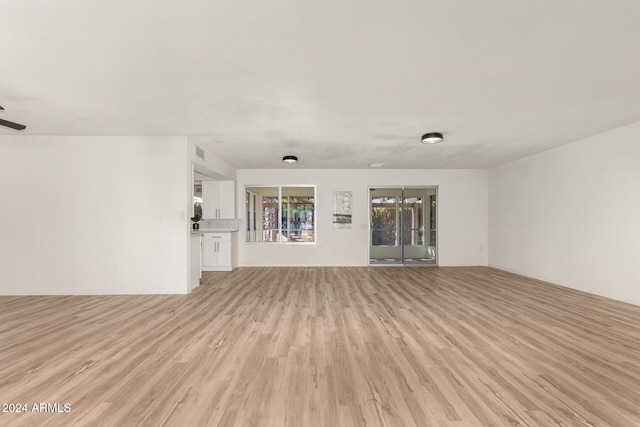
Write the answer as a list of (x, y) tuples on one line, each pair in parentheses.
[(224, 254), (218, 251), (218, 199), (209, 253)]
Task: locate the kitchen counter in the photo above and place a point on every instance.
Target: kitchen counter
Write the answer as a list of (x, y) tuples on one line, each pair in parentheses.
[(201, 231)]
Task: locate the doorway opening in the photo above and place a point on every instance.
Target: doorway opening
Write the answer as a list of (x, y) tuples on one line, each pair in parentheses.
[(403, 225)]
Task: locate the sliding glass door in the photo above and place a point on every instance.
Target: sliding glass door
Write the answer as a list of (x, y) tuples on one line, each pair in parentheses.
[(403, 226)]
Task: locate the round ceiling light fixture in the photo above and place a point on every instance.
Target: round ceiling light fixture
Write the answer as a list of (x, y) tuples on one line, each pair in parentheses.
[(432, 138), (290, 159)]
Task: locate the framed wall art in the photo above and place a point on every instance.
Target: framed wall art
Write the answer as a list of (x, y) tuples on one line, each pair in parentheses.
[(342, 209)]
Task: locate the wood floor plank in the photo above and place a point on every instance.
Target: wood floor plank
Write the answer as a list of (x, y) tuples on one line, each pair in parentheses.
[(330, 346)]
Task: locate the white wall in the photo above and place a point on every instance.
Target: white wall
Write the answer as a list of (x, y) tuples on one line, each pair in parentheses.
[(93, 215), (213, 164), (571, 215), (462, 215)]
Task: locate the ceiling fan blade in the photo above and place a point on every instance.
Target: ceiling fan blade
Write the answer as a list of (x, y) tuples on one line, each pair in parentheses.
[(12, 125), (1, 108)]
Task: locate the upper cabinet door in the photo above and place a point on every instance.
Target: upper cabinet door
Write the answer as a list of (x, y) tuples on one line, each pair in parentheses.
[(227, 199), (218, 199), (209, 199)]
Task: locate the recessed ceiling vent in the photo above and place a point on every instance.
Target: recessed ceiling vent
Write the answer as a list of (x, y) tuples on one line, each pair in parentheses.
[(200, 152)]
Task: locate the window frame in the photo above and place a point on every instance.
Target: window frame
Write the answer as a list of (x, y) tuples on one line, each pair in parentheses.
[(279, 241)]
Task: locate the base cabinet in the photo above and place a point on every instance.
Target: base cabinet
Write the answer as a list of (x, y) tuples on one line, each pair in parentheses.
[(217, 252)]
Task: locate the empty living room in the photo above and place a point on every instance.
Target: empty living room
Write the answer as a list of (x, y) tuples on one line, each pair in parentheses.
[(320, 213)]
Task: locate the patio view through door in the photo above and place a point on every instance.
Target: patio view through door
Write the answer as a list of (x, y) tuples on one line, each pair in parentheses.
[(403, 225)]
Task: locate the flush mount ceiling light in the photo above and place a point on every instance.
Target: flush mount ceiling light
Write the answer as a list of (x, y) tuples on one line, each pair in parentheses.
[(289, 159), (432, 138), (12, 125)]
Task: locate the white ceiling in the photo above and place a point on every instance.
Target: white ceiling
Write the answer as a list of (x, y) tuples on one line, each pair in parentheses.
[(340, 84)]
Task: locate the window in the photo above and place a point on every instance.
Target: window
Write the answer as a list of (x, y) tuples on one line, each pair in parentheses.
[(282, 214)]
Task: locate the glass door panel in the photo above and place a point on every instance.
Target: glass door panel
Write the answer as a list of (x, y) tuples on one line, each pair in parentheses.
[(413, 230), (385, 245)]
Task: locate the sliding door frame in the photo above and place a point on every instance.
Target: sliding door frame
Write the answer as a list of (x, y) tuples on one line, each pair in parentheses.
[(400, 238)]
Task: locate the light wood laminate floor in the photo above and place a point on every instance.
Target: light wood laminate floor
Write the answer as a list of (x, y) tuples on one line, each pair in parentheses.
[(331, 347)]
